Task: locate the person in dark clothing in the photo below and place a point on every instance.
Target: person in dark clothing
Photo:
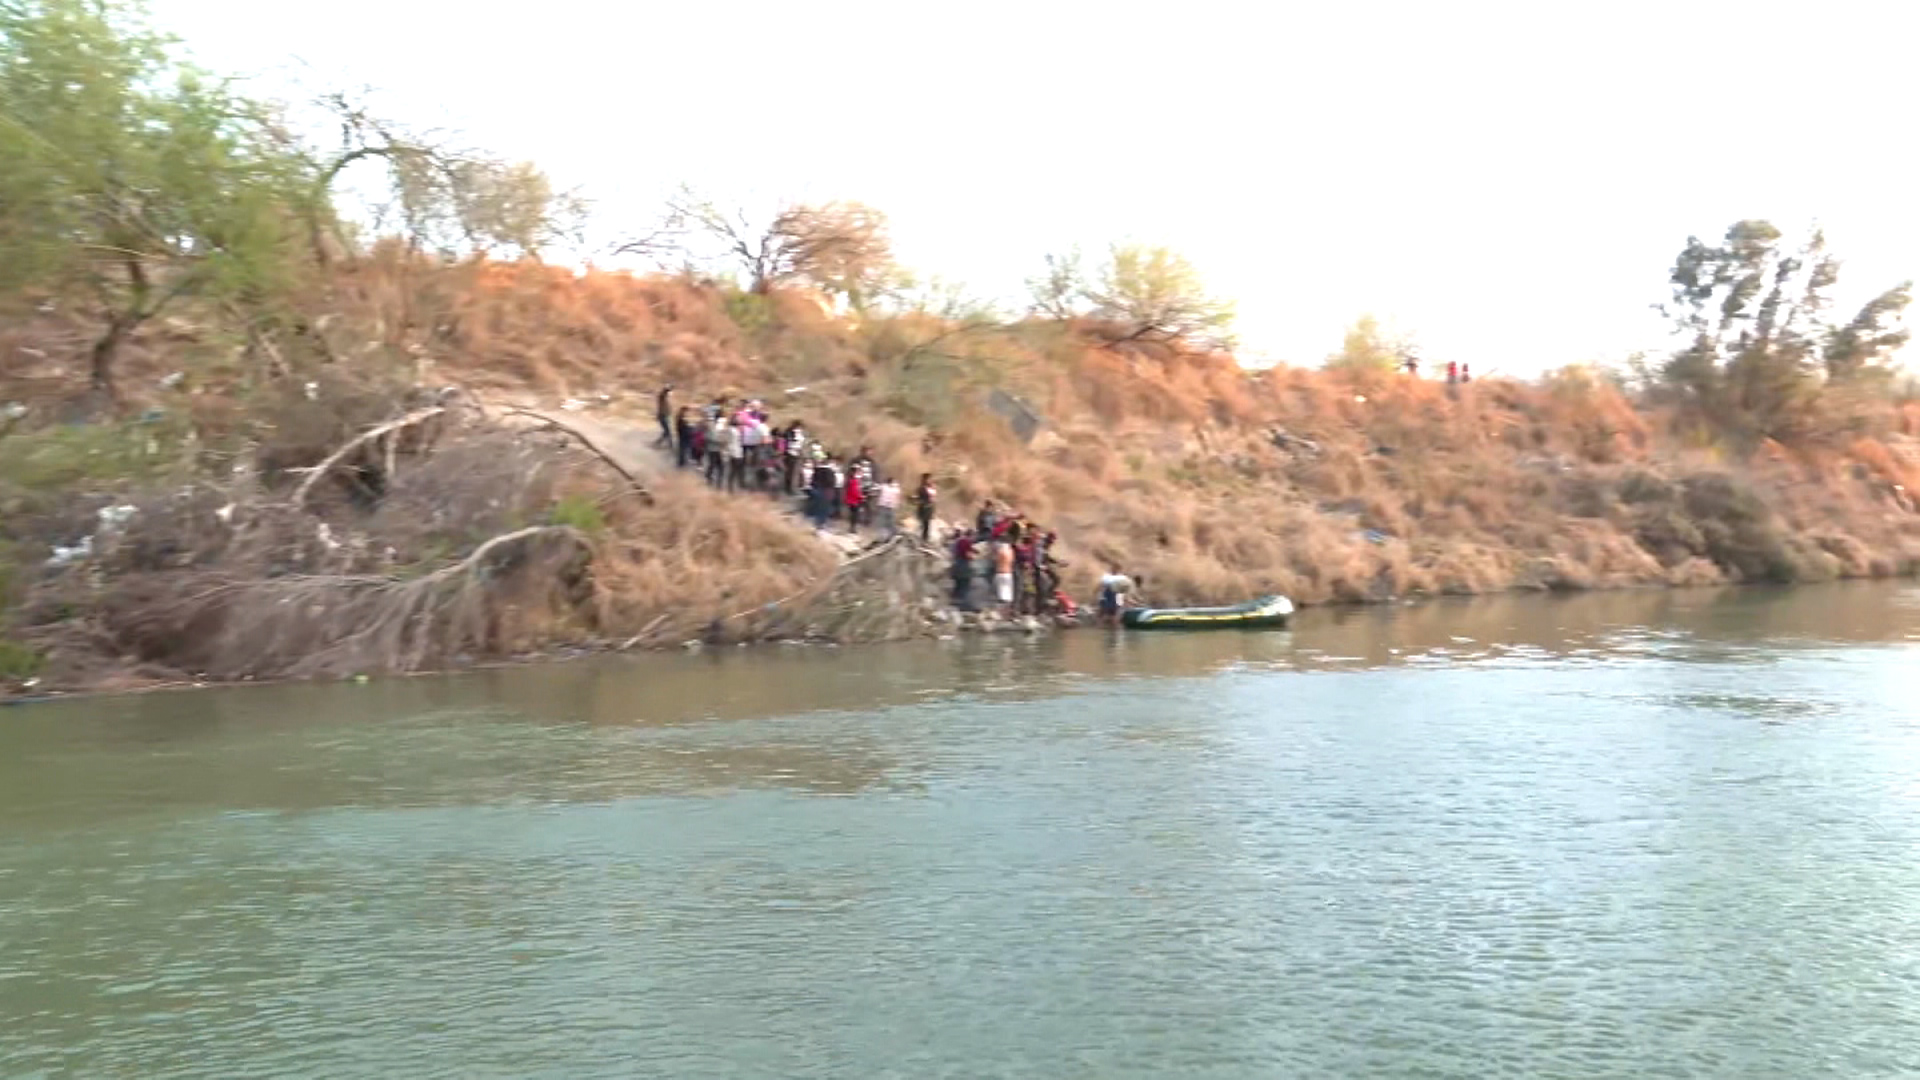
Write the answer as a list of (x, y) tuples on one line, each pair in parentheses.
[(1026, 586), (1047, 570), (684, 450), (820, 495), (663, 412), (923, 507), (963, 572), (989, 518)]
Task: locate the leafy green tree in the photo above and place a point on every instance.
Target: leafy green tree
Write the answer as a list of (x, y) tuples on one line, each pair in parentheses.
[(1759, 344), (1144, 292), (134, 177), (1156, 294), (1370, 347)]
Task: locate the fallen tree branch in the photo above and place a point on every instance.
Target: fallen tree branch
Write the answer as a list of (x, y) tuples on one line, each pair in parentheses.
[(644, 631), (479, 555), (334, 459), (595, 448)]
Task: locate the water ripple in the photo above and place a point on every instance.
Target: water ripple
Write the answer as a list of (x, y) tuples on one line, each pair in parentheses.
[(1626, 853)]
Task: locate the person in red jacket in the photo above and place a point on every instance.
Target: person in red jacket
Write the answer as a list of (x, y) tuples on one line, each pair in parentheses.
[(856, 500)]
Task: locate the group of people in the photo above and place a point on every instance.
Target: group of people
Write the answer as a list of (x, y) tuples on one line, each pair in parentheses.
[(738, 448), (1456, 372), (1019, 562)]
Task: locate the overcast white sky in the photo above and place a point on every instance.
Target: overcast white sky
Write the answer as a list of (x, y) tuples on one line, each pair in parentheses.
[(1508, 181)]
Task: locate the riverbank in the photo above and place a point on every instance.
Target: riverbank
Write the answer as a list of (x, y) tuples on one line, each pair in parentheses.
[(479, 482)]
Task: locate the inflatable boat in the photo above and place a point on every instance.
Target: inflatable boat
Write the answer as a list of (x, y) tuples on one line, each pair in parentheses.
[(1268, 612)]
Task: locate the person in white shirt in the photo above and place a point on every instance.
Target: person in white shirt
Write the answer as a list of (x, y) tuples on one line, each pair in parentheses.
[(717, 450), (753, 434), (1114, 587), (732, 441), (887, 502)]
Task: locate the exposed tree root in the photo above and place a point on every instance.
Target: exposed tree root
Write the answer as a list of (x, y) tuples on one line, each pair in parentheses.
[(488, 603)]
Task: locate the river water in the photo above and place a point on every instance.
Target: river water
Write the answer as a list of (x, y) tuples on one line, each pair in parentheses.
[(1628, 835)]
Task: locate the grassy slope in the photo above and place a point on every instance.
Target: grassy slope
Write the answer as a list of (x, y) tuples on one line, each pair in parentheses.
[(1161, 460), (1165, 460)]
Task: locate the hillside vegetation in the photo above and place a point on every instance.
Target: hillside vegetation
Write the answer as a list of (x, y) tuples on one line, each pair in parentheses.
[(241, 440)]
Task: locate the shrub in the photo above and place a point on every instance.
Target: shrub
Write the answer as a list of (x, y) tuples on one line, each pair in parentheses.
[(580, 511), (17, 661), (1739, 531)]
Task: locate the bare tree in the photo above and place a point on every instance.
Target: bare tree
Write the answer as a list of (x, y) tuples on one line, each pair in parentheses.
[(1060, 292), (842, 248), (445, 198)]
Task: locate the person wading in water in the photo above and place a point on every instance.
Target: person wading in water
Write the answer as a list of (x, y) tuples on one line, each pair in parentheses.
[(1114, 588)]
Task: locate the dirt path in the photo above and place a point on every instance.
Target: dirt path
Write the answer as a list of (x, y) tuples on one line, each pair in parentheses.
[(630, 445)]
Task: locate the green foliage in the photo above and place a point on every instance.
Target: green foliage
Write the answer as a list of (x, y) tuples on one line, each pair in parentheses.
[(131, 175), (750, 311), (61, 460), (1760, 346), (579, 511), (456, 203), (17, 661), (9, 572), (933, 348), (1369, 347)]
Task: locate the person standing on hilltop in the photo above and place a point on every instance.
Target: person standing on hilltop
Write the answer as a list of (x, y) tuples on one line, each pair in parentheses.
[(923, 507), (1453, 372), (1412, 364), (663, 412)]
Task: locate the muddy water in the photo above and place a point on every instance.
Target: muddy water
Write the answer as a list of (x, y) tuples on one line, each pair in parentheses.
[(1651, 834)]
